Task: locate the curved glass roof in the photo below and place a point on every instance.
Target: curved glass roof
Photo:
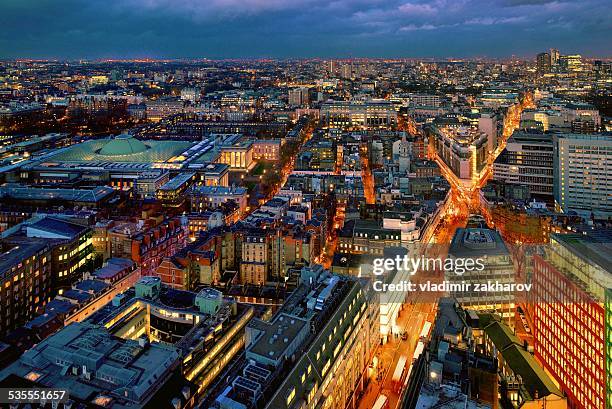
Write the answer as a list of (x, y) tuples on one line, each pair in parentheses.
[(92, 151), (123, 145)]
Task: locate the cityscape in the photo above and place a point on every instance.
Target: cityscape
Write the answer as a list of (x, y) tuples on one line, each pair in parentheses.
[(290, 231)]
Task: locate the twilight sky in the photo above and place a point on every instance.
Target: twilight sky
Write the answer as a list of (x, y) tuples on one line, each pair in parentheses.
[(302, 28)]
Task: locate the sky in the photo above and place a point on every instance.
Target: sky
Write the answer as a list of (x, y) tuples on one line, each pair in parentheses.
[(71, 29)]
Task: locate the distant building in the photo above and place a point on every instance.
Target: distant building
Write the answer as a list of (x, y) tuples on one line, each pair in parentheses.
[(191, 94), (299, 97), (543, 63), (164, 107), (369, 114), (267, 149)]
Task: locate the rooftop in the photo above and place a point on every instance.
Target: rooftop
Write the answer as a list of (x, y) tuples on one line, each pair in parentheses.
[(477, 242), (122, 149), (177, 181), (123, 145), (19, 252), (126, 371), (19, 192), (594, 246), (55, 227)]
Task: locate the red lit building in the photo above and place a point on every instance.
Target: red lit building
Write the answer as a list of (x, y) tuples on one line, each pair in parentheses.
[(568, 314)]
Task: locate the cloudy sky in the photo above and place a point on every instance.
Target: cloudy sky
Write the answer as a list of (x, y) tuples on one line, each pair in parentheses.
[(302, 28)]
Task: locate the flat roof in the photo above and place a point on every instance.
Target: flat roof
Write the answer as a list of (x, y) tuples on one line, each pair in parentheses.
[(468, 242), (277, 335), (34, 193), (177, 181), (594, 246)]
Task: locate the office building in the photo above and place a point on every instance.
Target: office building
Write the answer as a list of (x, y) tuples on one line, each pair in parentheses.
[(527, 160), (358, 114), (463, 149), (172, 193), (543, 63), (554, 57), (314, 352), (569, 314), (299, 97), (479, 243), (571, 63), (581, 172)]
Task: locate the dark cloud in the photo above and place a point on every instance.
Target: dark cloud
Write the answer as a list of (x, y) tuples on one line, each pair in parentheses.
[(527, 2), (295, 28)]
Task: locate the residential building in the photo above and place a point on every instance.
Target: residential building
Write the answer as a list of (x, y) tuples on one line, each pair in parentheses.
[(26, 281)]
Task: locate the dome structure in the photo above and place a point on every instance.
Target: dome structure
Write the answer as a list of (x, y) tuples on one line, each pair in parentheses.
[(123, 145)]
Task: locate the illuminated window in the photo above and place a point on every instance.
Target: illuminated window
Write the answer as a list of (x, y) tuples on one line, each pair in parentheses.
[(290, 396)]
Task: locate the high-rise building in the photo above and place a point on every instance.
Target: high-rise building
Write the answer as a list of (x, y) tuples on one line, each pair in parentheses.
[(347, 71), (527, 160), (567, 308), (299, 96), (571, 63), (543, 63), (581, 172), (554, 56)]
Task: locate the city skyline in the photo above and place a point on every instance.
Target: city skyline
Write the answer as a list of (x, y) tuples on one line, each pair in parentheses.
[(159, 29), (274, 204)]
